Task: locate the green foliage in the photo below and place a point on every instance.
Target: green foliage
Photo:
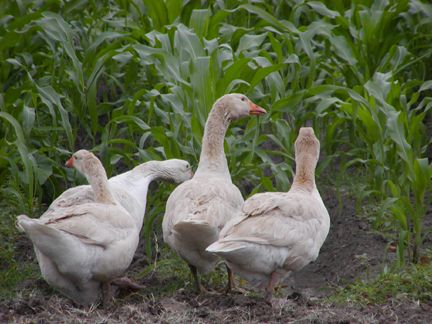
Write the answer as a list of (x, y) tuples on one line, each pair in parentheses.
[(174, 274), (134, 80), (13, 268), (389, 285)]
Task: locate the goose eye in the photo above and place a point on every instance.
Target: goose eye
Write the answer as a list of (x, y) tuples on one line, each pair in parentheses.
[(243, 98)]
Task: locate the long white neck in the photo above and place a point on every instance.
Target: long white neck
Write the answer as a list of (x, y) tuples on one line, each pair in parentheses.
[(305, 173), (212, 158), (135, 183), (99, 183)]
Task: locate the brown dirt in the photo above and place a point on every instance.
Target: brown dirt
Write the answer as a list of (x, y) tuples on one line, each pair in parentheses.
[(350, 251)]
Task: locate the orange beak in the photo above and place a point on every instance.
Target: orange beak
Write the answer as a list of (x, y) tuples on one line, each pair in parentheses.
[(255, 109), (69, 163)]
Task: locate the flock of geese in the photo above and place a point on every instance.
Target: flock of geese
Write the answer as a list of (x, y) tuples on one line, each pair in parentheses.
[(87, 238)]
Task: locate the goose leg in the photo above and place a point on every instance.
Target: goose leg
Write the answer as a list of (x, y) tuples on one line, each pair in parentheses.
[(126, 283), (231, 283), (274, 278), (199, 287), (231, 286), (107, 293)]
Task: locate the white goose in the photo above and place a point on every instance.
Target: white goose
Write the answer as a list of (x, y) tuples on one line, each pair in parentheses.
[(198, 209), (278, 233), (129, 188), (86, 238)]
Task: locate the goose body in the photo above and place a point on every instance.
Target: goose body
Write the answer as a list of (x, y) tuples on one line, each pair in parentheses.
[(198, 209), (129, 188), (87, 238), (278, 232), (83, 247)]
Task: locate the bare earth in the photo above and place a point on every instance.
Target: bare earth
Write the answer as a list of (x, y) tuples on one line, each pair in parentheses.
[(351, 251)]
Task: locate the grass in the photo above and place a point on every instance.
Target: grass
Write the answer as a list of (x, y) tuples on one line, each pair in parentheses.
[(414, 283), (172, 274), (15, 267)]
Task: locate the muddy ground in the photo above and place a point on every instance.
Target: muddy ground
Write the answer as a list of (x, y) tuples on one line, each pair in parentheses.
[(351, 251)]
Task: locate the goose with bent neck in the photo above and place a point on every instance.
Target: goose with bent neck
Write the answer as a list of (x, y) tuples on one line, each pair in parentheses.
[(278, 232), (130, 188), (197, 209)]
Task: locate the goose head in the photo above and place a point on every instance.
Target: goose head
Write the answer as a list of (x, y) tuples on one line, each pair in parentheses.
[(175, 170), (236, 106), (307, 145), (91, 167), (85, 162)]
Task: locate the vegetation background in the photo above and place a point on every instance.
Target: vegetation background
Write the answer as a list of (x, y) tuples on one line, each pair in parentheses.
[(134, 81)]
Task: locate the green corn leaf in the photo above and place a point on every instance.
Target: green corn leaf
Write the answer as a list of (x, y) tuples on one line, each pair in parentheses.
[(322, 9), (397, 133), (267, 17), (421, 179), (20, 144), (158, 13), (52, 99), (199, 21), (248, 42)]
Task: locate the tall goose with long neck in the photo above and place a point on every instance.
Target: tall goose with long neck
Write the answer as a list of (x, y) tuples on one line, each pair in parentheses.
[(83, 242), (197, 209), (278, 232)]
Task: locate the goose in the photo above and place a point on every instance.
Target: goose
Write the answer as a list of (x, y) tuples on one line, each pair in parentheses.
[(85, 240), (199, 208), (278, 232), (129, 188)]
